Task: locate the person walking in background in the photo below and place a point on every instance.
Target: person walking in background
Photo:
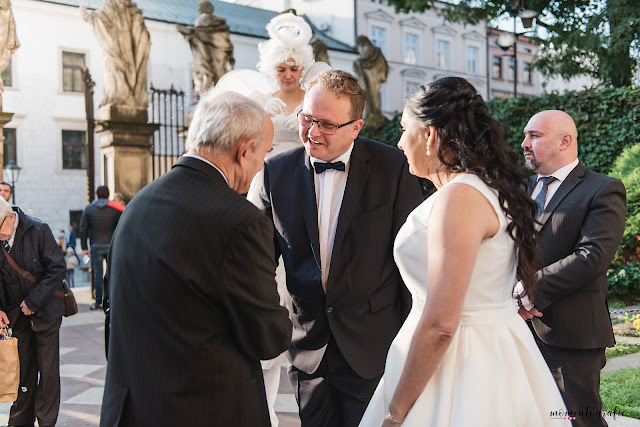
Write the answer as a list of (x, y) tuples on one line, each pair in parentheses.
[(71, 237), (582, 215), (118, 201), (98, 222), (72, 262), (337, 203), (33, 311), (193, 299), (6, 191)]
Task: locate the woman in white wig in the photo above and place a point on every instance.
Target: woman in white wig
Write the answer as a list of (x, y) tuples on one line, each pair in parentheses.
[(286, 57)]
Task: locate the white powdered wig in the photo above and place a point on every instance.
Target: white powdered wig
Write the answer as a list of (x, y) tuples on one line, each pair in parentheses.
[(290, 36)]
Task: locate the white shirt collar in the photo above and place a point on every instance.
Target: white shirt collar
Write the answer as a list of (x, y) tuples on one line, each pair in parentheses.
[(195, 156), (343, 158), (562, 173)]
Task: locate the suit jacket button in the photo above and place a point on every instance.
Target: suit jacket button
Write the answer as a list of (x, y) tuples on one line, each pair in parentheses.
[(318, 282), (329, 310)]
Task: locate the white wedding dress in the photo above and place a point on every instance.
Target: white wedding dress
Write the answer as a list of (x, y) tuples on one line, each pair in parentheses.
[(493, 373)]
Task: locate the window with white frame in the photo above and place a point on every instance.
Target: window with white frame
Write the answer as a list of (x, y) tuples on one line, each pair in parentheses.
[(443, 55), (472, 60), (496, 71), (71, 72), (410, 86), (378, 37), (526, 73), (411, 48), (10, 146), (512, 69), (7, 76), (74, 148)]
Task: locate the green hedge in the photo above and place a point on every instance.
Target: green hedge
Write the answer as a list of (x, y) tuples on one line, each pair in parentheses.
[(608, 120)]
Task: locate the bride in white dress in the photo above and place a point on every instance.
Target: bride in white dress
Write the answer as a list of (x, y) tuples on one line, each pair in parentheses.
[(464, 357)]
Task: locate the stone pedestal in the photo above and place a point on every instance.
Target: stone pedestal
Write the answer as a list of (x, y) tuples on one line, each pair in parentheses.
[(4, 119), (125, 142)]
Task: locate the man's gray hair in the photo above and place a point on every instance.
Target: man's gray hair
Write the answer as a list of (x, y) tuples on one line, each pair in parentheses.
[(222, 120), (5, 209)]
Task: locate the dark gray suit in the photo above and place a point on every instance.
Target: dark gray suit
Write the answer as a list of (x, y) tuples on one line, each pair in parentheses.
[(350, 328), (194, 305), (582, 226)]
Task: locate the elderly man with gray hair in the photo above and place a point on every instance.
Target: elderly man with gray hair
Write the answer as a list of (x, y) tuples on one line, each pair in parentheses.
[(30, 307), (193, 299)]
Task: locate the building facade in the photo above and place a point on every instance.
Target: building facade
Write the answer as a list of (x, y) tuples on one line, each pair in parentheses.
[(422, 47), (47, 135)]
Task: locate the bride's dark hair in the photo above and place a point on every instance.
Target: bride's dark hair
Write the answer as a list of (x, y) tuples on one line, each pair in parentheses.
[(471, 141)]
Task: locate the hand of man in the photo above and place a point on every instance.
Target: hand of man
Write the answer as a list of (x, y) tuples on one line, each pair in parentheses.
[(528, 314), (26, 310), (4, 320), (85, 252)]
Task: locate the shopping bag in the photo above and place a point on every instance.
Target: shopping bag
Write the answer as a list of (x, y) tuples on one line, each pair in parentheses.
[(9, 367)]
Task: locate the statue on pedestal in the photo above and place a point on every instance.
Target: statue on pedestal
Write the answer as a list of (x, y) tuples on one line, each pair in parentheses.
[(8, 39), (372, 69), (320, 50), (121, 31), (210, 46)]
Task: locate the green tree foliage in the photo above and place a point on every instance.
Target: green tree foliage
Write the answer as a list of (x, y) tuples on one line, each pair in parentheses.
[(627, 169), (599, 38)]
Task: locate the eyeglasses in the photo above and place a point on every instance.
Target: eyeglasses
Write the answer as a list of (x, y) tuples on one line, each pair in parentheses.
[(325, 128)]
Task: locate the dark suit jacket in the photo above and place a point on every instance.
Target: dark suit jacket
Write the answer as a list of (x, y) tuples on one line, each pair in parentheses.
[(582, 226), (194, 305), (366, 301)]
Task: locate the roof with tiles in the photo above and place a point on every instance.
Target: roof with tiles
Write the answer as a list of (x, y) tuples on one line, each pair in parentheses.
[(245, 20)]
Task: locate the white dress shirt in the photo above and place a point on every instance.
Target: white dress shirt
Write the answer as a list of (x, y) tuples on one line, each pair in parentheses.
[(330, 186), (560, 175)]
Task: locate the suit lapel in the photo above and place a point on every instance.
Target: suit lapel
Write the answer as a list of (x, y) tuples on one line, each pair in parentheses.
[(307, 194), (573, 179), (358, 172)]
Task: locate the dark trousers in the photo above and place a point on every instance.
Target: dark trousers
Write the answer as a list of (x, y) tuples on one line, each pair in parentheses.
[(577, 373), (334, 395), (71, 277), (39, 354), (98, 254)]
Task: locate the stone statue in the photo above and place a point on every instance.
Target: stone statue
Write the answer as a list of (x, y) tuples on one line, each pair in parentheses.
[(210, 46), (372, 69), (320, 50), (121, 31), (8, 39)]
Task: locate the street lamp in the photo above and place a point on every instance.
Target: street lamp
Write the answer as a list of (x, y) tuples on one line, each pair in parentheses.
[(12, 170), (506, 40)]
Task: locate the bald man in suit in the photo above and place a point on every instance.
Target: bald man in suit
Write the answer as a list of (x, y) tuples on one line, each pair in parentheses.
[(581, 215)]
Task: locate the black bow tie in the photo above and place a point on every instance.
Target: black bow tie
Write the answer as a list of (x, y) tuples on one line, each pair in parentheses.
[(321, 167)]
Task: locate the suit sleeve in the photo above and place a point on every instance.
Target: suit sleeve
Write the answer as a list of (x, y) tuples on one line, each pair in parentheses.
[(250, 295), (52, 259), (259, 196), (599, 239)]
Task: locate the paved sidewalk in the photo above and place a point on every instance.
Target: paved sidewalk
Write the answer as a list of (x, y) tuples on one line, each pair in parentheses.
[(83, 369)]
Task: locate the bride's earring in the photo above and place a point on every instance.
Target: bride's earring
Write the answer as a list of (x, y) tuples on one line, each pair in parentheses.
[(428, 150)]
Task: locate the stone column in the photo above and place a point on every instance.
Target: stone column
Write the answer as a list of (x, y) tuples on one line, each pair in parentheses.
[(125, 142)]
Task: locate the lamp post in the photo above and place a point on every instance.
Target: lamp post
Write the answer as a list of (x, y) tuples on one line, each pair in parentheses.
[(506, 40), (12, 170)]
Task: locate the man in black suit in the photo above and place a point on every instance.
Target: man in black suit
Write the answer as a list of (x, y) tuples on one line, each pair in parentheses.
[(193, 298), (582, 216), (337, 204)]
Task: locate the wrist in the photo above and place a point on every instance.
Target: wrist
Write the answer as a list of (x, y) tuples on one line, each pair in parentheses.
[(393, 419)]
